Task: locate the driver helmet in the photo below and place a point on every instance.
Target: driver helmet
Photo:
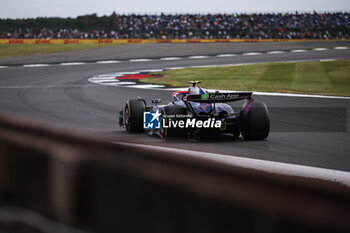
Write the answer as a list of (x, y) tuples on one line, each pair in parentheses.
[(194, 90)]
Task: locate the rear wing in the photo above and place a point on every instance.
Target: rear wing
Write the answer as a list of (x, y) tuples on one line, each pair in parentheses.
[(219, 97)]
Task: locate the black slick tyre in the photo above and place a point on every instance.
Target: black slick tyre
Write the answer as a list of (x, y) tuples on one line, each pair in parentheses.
[(133, 116), (256, 123)]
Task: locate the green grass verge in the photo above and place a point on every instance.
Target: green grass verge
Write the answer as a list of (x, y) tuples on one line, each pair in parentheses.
[(327, 78), (11, 50)]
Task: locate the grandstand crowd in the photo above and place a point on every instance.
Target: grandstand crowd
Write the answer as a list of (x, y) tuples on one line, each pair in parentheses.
[(200, 26)]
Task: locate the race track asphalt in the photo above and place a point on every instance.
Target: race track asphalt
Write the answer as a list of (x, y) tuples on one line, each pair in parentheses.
[(63, 95)]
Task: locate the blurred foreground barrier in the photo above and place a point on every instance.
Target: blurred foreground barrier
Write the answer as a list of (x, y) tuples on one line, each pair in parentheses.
[(98, 186)]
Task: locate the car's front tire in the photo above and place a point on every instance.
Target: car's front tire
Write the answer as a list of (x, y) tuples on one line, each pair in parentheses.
[(133, 116)]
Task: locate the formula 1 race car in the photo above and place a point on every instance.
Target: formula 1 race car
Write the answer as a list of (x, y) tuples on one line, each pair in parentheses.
[(199, 114)]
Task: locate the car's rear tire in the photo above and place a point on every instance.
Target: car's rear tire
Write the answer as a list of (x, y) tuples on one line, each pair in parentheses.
[(133, 116), (173, 110), (256, 123)]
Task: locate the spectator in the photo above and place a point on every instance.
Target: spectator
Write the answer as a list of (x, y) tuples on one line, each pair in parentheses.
[(203, 26)]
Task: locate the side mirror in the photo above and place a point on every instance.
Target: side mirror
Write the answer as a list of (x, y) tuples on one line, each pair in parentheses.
[(156, 101)]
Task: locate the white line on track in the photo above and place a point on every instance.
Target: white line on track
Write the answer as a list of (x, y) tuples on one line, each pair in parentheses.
[(122, 73), (103, 77), (103, 81), (197, 57), (340, 47), (107, 62), (329, 59), (36, 65), (262, 165), (320, 49), (178, 58), (150, 71), (267, 93), (298, 51), (300, 95), (177, 89), (170, 58), (118, 83), (139, 60), (72, 63), (176, 68), (251, 54), (146, 86), (226, 55), (275, 52), (205, 66)]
